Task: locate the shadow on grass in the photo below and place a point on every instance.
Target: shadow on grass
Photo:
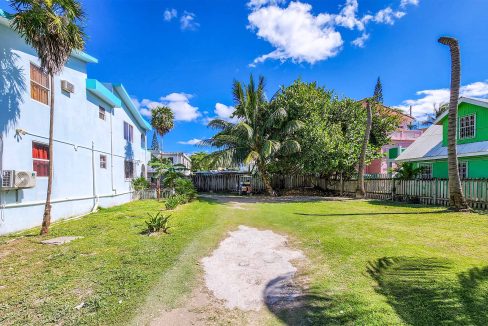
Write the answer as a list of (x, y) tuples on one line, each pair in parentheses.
[(368, 214), (425, 291)]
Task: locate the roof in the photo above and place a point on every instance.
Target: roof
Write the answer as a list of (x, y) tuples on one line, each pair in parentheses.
[(103, 92), (429, 147), (5, 18), (130, 105), (475, 101)]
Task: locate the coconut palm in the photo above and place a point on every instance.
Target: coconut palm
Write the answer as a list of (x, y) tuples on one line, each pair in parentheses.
[(262, 133), (54, 29), (360, 189), (456, 196), (438, 111)]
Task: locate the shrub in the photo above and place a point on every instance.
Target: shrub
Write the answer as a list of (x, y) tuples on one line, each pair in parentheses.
[(172, 202), (185, 187), (140, 183), (158, 222)]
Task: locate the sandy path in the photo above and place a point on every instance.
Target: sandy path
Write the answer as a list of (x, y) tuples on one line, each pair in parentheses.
[(250, 272)]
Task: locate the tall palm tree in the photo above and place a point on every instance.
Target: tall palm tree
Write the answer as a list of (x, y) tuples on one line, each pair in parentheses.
[(54, 29), (162, 120), (262, 133), (360, 189), (456, 196)]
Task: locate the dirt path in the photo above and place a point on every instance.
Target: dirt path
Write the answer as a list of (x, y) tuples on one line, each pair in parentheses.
[(251, 273)]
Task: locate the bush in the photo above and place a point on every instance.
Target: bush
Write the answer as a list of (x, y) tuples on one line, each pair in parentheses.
[(185, 187), (158, 222), (140, 183), (173, 201)]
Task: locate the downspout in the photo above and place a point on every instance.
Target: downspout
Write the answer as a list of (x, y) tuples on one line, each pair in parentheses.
[(112, 153), (94, 181)]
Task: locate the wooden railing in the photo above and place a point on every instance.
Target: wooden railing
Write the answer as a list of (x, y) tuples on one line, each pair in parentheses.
[(429, 192)]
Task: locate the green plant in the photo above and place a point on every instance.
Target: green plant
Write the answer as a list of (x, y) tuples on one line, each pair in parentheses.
[(162, 120), (158, 222), (140, 183), (172, 202), (185, 187), (407, 171)]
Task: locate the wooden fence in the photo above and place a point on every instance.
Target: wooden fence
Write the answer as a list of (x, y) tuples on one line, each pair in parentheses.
[(149, 194), (430, 192)]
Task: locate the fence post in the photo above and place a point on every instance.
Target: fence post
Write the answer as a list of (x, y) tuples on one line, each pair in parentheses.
[(435, 191), (393, 189)]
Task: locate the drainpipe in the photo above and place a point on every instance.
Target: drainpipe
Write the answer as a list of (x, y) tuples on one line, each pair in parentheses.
[(112, 154), (94, 180)]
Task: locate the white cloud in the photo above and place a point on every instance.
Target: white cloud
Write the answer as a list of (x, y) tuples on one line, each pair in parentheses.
[(435, 97), (299, 35), (169, 14), (187, 21), (359, 42), (194, 141), (405, 3), (388, 16), (178, 102), (225, 112)]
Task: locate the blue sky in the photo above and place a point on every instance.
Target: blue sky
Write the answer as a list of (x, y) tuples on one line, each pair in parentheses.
[(186, 53)]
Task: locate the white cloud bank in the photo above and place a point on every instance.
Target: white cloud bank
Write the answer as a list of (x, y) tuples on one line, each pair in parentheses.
[(299, 35), (434, 97), (194, 141), (178, 102)]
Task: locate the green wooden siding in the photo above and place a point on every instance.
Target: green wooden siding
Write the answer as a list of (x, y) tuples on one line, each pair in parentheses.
[(464, 109), (477, 167)]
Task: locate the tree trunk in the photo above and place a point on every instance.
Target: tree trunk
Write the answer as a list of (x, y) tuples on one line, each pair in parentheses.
[(268, 189), (360, 190), (46, 219), (158, 188), (456, 197)]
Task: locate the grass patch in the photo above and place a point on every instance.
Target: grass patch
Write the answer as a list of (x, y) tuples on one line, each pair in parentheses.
[(111, 269)]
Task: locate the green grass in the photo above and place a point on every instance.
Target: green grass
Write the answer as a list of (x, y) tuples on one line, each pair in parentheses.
[(111, 269), (370, 263)]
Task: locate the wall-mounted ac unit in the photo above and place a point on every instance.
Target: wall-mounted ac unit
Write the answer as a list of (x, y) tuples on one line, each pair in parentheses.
[(67, 86), (18, 179)]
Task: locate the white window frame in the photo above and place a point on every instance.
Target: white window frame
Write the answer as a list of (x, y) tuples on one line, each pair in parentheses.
[(474, 126), (423, 175), (41, 86), (466, 169), (100, 109), (130, 132)]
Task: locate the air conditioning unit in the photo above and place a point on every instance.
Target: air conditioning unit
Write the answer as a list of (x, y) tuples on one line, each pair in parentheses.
[(18, 179), (67, 86)]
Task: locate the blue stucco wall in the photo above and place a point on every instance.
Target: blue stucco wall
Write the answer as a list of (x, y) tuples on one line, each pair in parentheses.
[(76, 128)]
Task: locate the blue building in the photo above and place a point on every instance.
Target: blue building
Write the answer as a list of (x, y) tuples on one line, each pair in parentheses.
[(99, 138)]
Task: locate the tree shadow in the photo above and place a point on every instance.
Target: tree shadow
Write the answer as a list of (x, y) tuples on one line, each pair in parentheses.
[(422, 291), (366, 214), (12, 88), (474, 294)]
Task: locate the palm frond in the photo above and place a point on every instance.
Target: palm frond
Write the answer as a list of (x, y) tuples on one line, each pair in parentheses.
[(219, 124), (289, 147)]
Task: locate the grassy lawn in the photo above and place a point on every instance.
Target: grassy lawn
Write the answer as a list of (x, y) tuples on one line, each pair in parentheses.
[(370, 263)]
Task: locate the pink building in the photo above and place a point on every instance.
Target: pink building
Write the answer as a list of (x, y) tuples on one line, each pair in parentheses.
[(401, 138)]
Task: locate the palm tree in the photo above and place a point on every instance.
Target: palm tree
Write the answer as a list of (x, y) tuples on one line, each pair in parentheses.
[(360, 190), (456, 196), (262, 133), (438, 111), (54, 29), (169, 172), (162, 120)]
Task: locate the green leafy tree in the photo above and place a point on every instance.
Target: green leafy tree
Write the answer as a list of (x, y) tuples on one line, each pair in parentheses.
[(263, 133), (456, 196), (162, 120), (140, 183), (168, 172), (200, 161), (54, 29), (378, 91)]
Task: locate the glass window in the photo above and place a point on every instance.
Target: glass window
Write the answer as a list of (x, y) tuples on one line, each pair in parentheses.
[(128, 132), (40, 159), (463, 170), (129, 169), (467, 126), (426, 171), (143, 140), (101, 113), (103, 161), (39, 82)]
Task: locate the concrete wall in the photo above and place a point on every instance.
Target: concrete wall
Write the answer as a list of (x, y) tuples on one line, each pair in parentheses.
[(79, 184)]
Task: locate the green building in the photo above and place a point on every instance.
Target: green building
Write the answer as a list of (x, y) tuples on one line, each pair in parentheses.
[(430, 150)]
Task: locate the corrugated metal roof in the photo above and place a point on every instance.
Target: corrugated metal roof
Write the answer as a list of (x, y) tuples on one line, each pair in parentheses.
[(429, 147)]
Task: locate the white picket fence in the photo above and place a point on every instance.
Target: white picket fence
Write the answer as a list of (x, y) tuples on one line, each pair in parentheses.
[(429, 192)]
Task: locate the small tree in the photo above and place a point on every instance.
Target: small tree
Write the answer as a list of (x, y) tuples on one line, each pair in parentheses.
[(378, 91), (54, 29), (155, 143)]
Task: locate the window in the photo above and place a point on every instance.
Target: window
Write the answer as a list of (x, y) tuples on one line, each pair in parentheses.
[(129, 169), (171, 160), (426, 171), (467, 126), (40, 159), (101, 113), (463, 170), (128, 132), (103, 161), (39, 82), (143, 140)]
